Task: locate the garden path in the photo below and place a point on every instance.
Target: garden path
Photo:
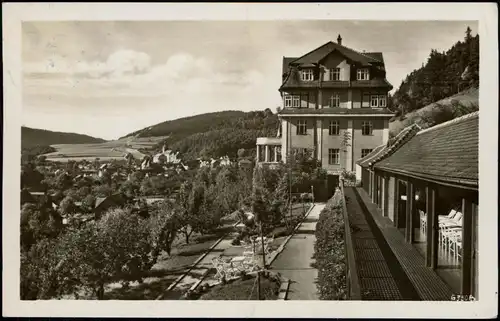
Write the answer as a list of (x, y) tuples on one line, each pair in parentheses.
[(296, 259)]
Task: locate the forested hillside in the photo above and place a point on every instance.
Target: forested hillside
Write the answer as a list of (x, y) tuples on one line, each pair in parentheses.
[(444, 74), (214, 134), (32, 137)]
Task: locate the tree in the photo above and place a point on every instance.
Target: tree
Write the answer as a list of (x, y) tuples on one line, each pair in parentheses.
[(115, 248), (131, 188), (102, 190), (30, 177), (88, 203), (67, 206), (63, 181), (164, 225), (241, 153), (346, 142), (37, 223), (468, 35), (40, 271)]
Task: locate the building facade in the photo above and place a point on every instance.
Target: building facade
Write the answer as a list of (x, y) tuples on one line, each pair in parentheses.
[(334, 103)]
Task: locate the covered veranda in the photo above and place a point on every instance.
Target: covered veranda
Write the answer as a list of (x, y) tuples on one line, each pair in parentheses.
[(427, 189)]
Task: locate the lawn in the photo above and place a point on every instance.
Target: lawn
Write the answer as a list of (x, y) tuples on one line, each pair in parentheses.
[(243, 290)]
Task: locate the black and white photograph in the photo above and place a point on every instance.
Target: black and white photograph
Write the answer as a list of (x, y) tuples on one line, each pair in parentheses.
[(184, 153)]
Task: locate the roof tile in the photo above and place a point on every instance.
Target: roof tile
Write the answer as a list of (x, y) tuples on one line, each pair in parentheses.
[(446, 152)]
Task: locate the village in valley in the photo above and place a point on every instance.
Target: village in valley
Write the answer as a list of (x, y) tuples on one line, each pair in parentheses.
[(348, 191)]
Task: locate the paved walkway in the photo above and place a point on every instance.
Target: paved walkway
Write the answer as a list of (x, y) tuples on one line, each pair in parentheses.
[(295, 261)]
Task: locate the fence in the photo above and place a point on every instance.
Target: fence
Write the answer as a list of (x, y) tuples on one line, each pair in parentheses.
[(352, 278)]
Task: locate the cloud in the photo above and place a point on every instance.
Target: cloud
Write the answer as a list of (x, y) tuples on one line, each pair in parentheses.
[(132, 73)]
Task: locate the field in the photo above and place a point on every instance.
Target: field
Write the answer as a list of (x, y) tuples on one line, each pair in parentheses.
[(104, 151)]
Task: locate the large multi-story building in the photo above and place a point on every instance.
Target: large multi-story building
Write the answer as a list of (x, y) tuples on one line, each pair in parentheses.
[(334, 104)]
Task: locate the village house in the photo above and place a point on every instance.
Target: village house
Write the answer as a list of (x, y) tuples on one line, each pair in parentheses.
[(334, 104), (425, 186)]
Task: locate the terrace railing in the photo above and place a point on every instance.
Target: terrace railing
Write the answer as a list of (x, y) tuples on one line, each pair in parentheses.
[(352, 278)]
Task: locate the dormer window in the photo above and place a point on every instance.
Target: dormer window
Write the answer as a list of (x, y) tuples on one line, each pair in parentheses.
[(335, 74), (307, 75), (363, 74)]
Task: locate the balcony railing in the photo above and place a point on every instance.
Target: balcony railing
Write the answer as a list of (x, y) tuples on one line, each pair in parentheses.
[(352, 278)]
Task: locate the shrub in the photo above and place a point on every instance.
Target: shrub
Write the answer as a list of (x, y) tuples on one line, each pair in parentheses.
[(329, 251), (236, 242)]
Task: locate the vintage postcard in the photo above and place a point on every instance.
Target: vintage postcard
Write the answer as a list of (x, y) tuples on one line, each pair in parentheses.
[(177, 156)]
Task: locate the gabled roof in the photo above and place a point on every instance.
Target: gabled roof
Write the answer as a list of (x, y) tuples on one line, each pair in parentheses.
[(388, 149), (318, 54), (446, 153)]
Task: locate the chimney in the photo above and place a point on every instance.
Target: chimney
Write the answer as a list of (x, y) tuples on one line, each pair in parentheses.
[(339, 40)]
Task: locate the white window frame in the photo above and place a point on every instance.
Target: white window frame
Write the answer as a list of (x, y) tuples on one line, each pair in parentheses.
[(382, 101), (374, 101), (336, 72), (334, 101), (363, 74), (302, 127), (367, 124), (307, 75), (296, 101), (288, 101), (365, 151), (334, 128), (333, 156)]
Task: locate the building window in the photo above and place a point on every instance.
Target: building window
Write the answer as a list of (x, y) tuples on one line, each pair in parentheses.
[(382, 101), (288, 101), (262, 153), (363, 74), (333, 156), (334, 101), (297, 151), (335, 74), (271, 153), (366, 128), (307, 75), (296, 101), (278, 153), (334, 128), (302, 127), (374, 101), (365, 151)]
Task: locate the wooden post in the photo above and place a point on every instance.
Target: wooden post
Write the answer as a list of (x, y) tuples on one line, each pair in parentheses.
[(387, 178), (432, 227), (258, 286), (370, 184), (396, 201), (410, 201), (468, 212)]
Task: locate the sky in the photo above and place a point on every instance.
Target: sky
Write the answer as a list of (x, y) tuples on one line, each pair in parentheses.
[(107, 79)]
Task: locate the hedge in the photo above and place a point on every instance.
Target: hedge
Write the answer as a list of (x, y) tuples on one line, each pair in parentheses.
[(329, 251)]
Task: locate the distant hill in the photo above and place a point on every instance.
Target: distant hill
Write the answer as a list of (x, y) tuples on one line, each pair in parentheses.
[(32, 137), (438, 112), (443, 75), (213, 134)]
